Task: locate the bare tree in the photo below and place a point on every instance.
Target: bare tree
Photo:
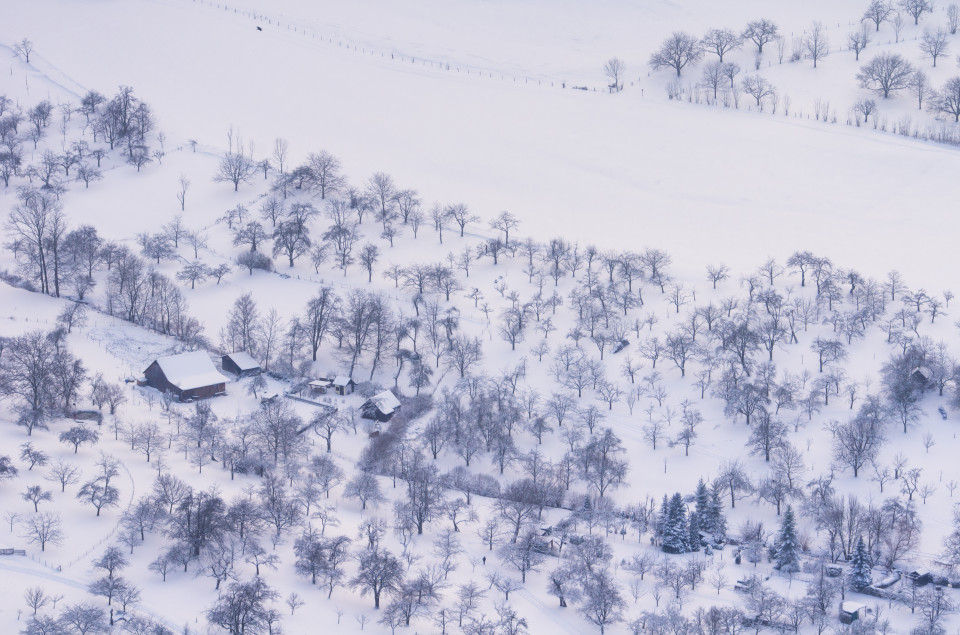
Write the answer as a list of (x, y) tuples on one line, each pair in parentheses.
[(760, 32), (916, 8), (43, 528), (182, 186), (721, 41), (713, 76), (920, 85), (816, 43), (858, 40), (877, 12), (325, 173), (24, 48), (953, 18), (886, 73), (614, 70), (758, 88), (898, 23), (947, 100), (235, 167), (934, 44), (676, 52)]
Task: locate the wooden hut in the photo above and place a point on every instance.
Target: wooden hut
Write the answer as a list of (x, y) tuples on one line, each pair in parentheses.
[(240, 364), (187, 375)]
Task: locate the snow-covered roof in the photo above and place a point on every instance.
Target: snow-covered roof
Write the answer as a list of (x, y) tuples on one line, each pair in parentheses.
[(851, 607), (243, 360), (386, 402), (341, 380), (190, 370), (319, 383)]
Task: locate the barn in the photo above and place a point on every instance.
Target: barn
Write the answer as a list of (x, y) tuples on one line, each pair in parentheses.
[(240, 364), (187, 375), (380, 407)]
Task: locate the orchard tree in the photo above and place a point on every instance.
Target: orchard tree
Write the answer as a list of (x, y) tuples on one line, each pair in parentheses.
[(24, 48), (676, 52), (934, 44), (886, 73), (946, 101), (378, 571), (816, 44), (858, 40), (720, 42), (236, 168), (877, 12), (916, 8), (758, 88), (243, 608), (760, 32), (614, 70)]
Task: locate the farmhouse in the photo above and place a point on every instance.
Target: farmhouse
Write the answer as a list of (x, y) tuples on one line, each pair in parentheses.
[(188, 376), (380, 407), (240, 364)]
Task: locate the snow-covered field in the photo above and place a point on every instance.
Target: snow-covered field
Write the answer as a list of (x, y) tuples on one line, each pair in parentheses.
[(473, 102)]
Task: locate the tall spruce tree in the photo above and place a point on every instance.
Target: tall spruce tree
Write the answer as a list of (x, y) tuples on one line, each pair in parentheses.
[(662, 520), (703, 505), (675, 532), (860, 574), (787, 544), (714, 522), (693, 532)]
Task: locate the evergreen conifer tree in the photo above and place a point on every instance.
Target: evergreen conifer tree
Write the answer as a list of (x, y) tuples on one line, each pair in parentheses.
[(860, 574), (693, 532), (787, 544), (675, 531), (716, 526), (703, 506), (662, 520)]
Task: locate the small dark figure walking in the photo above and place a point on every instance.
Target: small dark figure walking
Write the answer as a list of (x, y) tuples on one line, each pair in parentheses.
[(484, 560)]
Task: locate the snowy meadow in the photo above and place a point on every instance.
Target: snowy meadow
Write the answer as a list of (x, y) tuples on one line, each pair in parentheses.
[(583, 317)]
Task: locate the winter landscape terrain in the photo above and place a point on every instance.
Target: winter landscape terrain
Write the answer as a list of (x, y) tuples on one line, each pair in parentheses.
[(555, 317)]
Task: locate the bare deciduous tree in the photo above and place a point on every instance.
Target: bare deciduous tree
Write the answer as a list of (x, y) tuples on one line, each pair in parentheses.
[(816, 44), (885, 73), (916, 8), (934, 44), (760, 32), (614, 70), (676, 52)]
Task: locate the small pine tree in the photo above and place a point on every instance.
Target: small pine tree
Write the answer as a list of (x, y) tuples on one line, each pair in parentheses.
[(860, 574), (787, 545)]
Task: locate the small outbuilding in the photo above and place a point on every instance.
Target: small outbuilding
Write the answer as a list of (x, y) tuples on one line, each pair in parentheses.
[(320, 386), (343, 385), (850, 612), (380, 407), (240, 364), (187, 375)]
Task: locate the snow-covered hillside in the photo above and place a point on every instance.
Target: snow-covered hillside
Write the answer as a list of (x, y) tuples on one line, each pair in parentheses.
[(518, 356)]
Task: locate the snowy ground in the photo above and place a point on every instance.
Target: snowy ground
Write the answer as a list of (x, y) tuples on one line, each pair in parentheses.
[(466, 102)]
